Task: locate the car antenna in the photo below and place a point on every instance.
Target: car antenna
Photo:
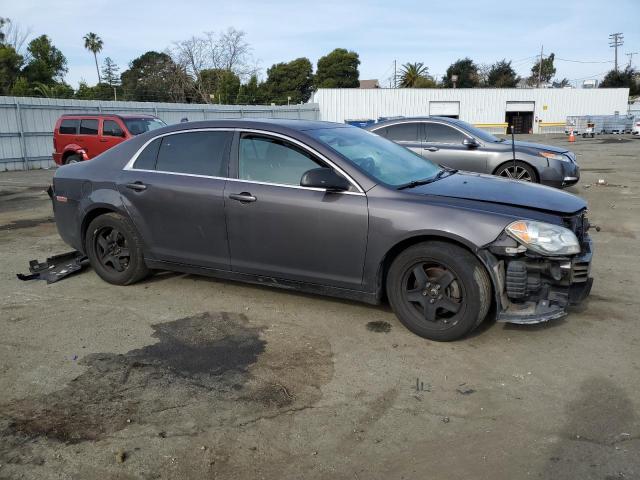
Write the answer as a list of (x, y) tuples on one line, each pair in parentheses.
[(513, 147)]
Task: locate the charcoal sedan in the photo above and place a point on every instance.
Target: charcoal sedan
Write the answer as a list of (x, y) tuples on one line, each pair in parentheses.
[(458, 144), (330, 209)]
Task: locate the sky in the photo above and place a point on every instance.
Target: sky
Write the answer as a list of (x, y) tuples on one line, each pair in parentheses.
[(435, 33)]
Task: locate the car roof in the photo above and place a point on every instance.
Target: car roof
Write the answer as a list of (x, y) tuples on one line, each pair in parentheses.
[(397, 120), (276, 124), (111, 115)]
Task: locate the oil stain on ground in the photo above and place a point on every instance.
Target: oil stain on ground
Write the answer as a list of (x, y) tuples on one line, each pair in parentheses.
[(204, 372), (379, 327), (204, 354)]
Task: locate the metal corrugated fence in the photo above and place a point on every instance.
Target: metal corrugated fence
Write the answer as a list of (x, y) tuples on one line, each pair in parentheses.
[(26, 124)]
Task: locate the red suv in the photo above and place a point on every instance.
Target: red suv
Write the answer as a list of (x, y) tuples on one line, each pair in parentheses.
[(82, 137)]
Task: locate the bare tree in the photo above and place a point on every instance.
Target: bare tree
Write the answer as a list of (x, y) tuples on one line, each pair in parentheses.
[(15, 35), (227, 51)]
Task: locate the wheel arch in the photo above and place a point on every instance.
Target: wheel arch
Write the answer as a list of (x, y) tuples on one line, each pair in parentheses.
[(403, 244), (529, 164), (91, 215)]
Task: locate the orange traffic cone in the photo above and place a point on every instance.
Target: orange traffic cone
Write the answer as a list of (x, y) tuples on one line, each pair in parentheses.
[(572, 137)]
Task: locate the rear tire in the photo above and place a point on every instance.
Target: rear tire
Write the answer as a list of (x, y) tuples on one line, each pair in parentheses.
[(114, 249), (72, 159), (438, 290), (522, 171)]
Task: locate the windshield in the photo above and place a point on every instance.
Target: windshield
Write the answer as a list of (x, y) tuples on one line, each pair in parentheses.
[(136, 126), (384, 160), (478, 132)]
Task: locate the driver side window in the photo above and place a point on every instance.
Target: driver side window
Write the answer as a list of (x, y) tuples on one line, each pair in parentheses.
[(272, 160)]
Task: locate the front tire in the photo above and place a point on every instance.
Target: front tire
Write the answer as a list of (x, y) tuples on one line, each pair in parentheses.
[(520, 171), (438, 290), (114, 249)]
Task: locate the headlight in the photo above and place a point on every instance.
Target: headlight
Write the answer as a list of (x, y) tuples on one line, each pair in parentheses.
[(554, 156), (544, 238)]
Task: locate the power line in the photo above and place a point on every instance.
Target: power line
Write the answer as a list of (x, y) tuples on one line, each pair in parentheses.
[(583, 61), (615, 41)]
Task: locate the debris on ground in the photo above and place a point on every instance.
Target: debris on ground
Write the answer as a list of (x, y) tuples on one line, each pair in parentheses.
[(465, 391), (121, 456), (55, 268)]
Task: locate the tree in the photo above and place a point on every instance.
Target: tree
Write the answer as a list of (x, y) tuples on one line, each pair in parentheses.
[(10, 65), (93, 43), (338, 69), (467, 73), (12, 34), (629, 78), (541, 76), (55, 90), (415, 75), (101, 91), (46, 65), (293, 79), (110, 72), (561, 83), (227, 51), (250, 93), (154, 76), (222, 84), (502, 75)]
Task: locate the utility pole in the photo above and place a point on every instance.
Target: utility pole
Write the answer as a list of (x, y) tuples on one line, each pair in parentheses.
[(630, 55), (395, 75), (615, 41), (540, 65), (115, 95)]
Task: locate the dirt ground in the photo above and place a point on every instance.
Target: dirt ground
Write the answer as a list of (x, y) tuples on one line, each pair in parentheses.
[(188, 377)]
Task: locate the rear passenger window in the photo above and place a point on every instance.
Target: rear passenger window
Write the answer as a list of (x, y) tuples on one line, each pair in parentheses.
[(199, 153), (403, 132), (147, 158), (69, 127), (88, 126)]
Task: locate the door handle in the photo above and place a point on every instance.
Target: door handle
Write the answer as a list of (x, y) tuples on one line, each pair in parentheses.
[(244, 197), (137, 186), (431, 149), (104, 140)]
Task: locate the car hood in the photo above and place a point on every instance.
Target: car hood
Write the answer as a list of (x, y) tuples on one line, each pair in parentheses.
[(487, 188), (539, 146)]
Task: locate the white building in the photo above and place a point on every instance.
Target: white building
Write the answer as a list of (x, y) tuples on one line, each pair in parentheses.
[(529, 110)]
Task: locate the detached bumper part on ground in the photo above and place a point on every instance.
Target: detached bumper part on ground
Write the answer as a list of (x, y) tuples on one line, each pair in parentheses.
[(535, 288), (55, 268)]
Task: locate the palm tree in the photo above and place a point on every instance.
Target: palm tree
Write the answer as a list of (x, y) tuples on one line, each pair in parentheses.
[(412, 73), (93, 43)]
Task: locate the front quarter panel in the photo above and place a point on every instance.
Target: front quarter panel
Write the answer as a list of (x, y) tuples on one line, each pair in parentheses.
[(396, 217)]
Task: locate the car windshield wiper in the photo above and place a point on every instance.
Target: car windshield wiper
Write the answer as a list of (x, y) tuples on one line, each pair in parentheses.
[(441, 174)]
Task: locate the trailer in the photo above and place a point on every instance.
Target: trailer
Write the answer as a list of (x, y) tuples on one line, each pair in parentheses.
[(591, 125)]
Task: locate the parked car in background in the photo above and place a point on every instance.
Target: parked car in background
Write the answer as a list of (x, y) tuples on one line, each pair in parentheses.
[(82, 137), (636, 127), (331, 209), (458, 144)]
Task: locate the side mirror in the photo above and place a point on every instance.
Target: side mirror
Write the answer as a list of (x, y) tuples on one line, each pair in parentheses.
[(470, 142), (325, 178)]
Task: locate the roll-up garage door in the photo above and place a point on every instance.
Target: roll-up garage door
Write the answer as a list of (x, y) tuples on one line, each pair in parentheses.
[(520, 106), (444, 109)]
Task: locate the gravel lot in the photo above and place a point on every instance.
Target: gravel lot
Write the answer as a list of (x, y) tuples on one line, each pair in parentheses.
[(188, 377)]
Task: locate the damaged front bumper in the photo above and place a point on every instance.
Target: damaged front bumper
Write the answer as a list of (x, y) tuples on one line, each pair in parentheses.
[(534, 289)]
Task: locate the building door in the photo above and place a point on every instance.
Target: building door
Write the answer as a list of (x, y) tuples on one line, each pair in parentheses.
[(522, 121), (520, 115)]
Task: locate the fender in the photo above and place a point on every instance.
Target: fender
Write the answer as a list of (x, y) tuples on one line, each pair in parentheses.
[(75, 148), (102, 199)]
